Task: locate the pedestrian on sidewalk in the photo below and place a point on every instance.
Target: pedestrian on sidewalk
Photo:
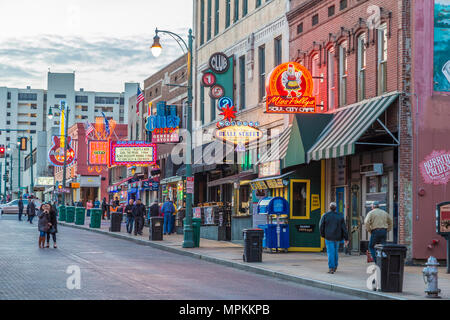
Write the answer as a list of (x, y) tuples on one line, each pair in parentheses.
[(43, 224), (333, 229), (31, 210), (378, 222), (154, 209), (96, 204), (53, 225), (138, 215), (104, 208), (129, 213), (20, 204), (168, 209)]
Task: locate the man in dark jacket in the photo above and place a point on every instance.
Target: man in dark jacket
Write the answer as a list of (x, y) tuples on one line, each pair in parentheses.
[(31, 210), (129, 212), (332, 228), (138, 215), (20, 204)]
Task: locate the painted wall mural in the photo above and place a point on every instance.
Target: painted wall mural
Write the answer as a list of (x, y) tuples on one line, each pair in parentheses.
[(435, 168), (442, 45)]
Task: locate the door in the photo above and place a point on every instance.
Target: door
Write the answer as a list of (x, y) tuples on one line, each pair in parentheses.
[(340, 200)]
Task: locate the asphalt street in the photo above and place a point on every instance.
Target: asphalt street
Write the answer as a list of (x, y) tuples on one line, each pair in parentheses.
[(118, 269)]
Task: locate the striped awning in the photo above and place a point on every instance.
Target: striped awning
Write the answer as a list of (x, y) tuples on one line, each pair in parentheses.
[(279, 147), (347, 126)]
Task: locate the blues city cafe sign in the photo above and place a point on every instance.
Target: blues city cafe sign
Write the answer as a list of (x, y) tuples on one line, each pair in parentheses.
[(289, 89), (164, 128)]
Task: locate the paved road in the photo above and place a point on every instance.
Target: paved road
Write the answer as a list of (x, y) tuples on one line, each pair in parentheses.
[(118, 269)]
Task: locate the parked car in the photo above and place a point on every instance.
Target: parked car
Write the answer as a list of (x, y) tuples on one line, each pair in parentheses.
[(12, 207)]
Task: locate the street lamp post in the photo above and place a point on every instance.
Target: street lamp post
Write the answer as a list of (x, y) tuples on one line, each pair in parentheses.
[(18, 182), (156, 48)]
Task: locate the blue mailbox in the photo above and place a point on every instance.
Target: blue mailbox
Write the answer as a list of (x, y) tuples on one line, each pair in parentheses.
[(276, 236)]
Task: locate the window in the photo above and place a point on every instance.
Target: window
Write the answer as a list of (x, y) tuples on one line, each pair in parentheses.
[(7, 139), (9, 95), (342, 4), (361, 76), (208, 27), (262, 71), (315, 73), (331, 80), (228, 13), (331, 10), (8, 122), (213, 109), (216, 18), (81, 99), (315, 19), (8, 105), (382, 59), (202, 104), (300, 196), (202, 21), (33, 123), (242, 82), (84, 108), (258, 3), (244, 7), (32, 131), (300, 28), (278, 52), (343, 74), (106, 100), (236, 10), (33, 106), (8, 114), (60, 96), (27, 96)]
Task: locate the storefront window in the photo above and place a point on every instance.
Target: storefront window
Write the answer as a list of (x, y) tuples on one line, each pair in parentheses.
[(384, 183), (299, 196), (372, 186)]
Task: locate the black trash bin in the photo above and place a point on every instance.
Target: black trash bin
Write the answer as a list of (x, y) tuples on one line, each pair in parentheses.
[(116, 221), (156, 228), (253, 245), (391, 261)]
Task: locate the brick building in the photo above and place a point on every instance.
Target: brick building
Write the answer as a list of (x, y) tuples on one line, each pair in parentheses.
[(359, 53)]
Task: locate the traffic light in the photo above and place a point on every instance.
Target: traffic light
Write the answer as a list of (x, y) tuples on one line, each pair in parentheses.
[(2, 151), (23, 143)]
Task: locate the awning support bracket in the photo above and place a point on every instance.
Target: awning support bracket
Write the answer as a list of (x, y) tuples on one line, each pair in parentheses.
[(396, 144)]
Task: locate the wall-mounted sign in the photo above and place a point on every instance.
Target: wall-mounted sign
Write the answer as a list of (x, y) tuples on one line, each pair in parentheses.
[(217, 92), (209, 79), (315, 202), (269, 169), (238, 132), (132, 153), (56, 153), (75, 185), (435, 168), (224, 102), (164, 126), (289, 89), (275, 183), (98, 152), (258, 185), (443, 219), (441, 45), (306, 228), (45, 181), (219, 63)]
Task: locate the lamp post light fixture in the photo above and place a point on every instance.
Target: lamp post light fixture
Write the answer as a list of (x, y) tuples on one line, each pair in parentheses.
[(156, 48)]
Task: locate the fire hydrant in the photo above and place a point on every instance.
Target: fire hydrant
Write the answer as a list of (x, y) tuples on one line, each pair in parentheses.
[(430, 276)]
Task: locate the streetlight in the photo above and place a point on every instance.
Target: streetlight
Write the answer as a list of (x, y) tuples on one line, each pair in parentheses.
[(156, 48), (64, 108)]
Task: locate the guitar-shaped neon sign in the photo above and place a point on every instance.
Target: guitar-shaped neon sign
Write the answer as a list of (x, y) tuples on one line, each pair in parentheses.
[(56, 153)]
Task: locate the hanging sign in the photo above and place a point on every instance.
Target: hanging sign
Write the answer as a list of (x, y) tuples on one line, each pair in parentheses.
[(443, 219), (219, 63), (164, 128), (217, 92), (56, 153), (209, 79), (435, 168), (98, 152), (224, 102), (238, 132), (132, 153), (289, 89)]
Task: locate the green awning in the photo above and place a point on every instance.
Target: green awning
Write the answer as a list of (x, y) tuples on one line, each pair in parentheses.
[(339, 137)]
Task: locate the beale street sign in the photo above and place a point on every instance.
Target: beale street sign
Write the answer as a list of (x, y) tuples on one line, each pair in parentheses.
[(289, 89)]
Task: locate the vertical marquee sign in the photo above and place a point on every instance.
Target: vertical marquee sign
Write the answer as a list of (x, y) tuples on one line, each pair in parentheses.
[(289, 89)]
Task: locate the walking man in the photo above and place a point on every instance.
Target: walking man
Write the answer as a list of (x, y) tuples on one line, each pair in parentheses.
[(138, 215), (129, 213), (333, 229), (168, 209), (20, 204), (378, 222), (31, 210)]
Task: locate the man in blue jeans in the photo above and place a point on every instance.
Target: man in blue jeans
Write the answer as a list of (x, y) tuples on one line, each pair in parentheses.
[(129, 212), (333, 229), (378, 222), (168, 209)]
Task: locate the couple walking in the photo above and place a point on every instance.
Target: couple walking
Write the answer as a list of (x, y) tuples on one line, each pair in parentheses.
[(47, 225), (135, 215)]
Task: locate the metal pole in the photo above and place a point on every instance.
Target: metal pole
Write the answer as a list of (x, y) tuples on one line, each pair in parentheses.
[(4, 180), (18, 182), (448, 254), (66, 124), (10, 171), (31, 159), (188, 241)]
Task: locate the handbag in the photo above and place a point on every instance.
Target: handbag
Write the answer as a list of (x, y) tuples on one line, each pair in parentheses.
[(369, 257)]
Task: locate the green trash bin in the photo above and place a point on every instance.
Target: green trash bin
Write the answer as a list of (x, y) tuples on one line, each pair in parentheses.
[(62, 213), (70, 214), (79, 216), (96, 218), (196, 222)]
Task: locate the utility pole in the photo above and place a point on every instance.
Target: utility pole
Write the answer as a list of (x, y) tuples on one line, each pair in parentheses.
[(10, 171), (31, 168), (18, 182)]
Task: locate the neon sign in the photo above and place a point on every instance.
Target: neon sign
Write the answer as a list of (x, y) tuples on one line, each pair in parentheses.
[(289, 89), (132, 153), (98, 152), (56, 153), (164, 128), (238, 132)]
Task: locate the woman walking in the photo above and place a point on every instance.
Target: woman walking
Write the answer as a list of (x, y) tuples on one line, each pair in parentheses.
[(53, 227), (43, 222)]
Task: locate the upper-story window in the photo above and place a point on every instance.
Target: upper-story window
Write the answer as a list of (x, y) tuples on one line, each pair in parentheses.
[(342, 4), (278, 51), (228, 13), (361, 67), (382, 56), (315, 19), (244, 7), (236, 10), (258, 3), (343, 72), (331, 79), (315, 73), (81, 99), (27, 96), (202, 21), (331, 10), (209, 21), (242, 82), (300, 28), (262, 71), (216, 17)]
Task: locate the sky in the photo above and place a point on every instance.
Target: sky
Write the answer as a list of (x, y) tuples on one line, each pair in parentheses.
[(106, 42)]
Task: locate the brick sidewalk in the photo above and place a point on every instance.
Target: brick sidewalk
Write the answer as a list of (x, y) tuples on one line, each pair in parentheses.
[(351, 273)]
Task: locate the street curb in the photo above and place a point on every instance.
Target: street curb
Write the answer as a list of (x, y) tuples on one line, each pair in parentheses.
[(246, 267)]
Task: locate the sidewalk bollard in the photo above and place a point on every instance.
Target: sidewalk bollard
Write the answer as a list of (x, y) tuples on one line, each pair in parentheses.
[(430, 277)]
